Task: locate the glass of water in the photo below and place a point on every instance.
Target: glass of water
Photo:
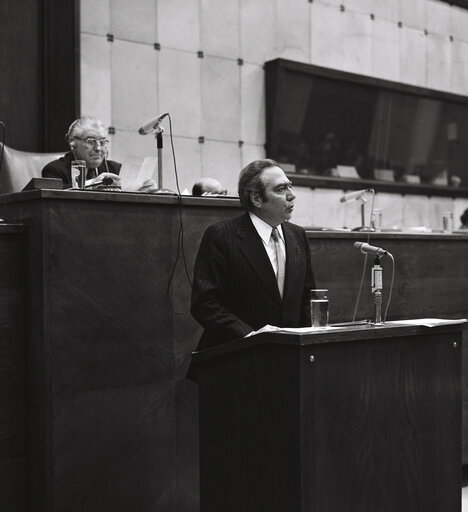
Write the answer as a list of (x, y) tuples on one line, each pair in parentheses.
[(319, 307)]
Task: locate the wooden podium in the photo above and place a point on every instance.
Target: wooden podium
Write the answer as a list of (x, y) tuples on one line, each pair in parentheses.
[(343, 420)]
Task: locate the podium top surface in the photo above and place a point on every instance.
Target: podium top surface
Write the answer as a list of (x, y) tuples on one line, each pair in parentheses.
[(118, 197), (348, 333)]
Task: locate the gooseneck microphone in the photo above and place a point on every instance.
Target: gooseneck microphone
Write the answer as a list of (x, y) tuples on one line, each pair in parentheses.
[(354, 195), (365, 248), (151, 125)]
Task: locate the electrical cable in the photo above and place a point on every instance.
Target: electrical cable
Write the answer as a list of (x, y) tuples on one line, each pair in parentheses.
[(391, 285), (2, 124), (180, 235)]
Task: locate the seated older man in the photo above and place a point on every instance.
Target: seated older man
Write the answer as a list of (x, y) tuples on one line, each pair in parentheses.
[(87, 139)]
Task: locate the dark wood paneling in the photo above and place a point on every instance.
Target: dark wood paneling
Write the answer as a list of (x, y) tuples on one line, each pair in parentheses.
[(39, 72), (12, 369), (21, 86), (386, 420), (61, 70)]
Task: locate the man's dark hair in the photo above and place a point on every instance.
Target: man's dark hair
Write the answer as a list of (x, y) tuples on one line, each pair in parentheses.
[(464, 217), (250, 181)]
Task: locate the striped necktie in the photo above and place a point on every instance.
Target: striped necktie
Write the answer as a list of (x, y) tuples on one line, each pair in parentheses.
[(280, 260)]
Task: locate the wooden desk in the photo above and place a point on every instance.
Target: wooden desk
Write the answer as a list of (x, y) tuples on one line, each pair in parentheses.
[(353, 420)]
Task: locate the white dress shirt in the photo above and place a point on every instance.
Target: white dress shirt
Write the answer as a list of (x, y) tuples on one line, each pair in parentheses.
[(264, 231)]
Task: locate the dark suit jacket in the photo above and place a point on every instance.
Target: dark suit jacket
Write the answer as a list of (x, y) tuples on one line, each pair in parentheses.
[(235, 290), (61, 168)]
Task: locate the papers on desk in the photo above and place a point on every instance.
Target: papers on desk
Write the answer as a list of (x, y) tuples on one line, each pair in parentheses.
[(428, 322), (133, 181)]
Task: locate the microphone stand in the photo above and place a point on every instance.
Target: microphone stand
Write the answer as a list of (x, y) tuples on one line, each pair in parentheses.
[(159, 144), (376, 286), (363, 227)]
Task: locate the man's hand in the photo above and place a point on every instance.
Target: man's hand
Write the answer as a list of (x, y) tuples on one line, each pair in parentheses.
[(99, 179)]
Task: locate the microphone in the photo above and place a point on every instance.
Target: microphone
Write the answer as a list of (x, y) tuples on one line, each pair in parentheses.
[(151, 125), (354, 195), (370, 249)]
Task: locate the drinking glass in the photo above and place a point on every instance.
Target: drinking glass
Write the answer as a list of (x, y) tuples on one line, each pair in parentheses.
[(319, 307)]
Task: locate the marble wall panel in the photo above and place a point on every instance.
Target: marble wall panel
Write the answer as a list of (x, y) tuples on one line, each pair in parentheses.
[(443, 205), (96, 77), (188, 161), (220, 99), (221, 160), (413, 13), (392, 209), (381, 9), (385, 50), (412, 56), (303, 212), (438, 18), (253, 111), (251, 152), (293, 30), (134, 21), (134, 84), (422, 211), (180, 90), (258, 32), (336, 3), (357, 43), (319, 208), (459, 23), (178, 24), (459, 68), (219, 25), (326, 40), (95, 16), (439, 62)]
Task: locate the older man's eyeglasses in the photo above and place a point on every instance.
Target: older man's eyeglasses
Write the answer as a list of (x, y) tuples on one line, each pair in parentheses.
[(92, 141)]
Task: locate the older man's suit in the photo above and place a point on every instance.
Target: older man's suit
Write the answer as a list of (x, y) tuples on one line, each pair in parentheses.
[(235, 290)]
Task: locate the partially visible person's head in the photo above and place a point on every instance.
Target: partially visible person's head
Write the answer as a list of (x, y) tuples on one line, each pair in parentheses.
[(464, 218), (206, 186), (265, 190), (87, 138)]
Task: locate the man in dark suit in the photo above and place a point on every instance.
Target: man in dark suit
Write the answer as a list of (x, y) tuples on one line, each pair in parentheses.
[(250, 277), (87, 139)]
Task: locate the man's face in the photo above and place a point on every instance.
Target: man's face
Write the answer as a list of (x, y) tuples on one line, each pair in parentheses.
[(88, 146), (278, 202)]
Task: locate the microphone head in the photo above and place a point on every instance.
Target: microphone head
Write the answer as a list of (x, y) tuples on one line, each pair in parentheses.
[(365, 248)]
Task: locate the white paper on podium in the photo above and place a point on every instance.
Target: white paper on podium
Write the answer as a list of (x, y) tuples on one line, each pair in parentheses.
[(305, 330), (428, 322), (133, 181)]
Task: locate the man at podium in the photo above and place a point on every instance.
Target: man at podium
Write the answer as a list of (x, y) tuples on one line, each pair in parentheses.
[(253, 273)]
